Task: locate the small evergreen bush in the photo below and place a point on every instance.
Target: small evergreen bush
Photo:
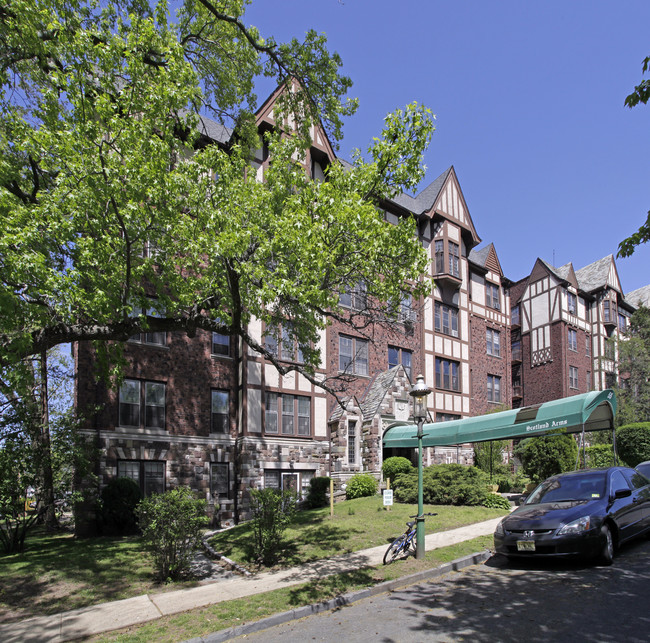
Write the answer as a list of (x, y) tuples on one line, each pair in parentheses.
[(546, 455), (272, 513), (119, 499), (392, 467), (317, 494), (443, 484), (360, 486), (633, 442), (599, 455), (495, 501), (172, 524)]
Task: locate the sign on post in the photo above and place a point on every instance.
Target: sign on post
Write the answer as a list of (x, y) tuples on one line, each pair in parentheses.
[(388, 497)]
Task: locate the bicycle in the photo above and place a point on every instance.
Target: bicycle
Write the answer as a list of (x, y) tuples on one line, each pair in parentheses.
[(405, 543)]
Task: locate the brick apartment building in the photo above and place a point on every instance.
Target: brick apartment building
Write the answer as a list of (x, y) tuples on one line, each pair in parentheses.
[(562, 320), (210, 413)]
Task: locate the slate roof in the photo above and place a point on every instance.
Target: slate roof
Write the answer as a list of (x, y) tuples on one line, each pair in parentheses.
[(214, 130), (564, 271), (595, 275), (639, 296), (560, 273), (425, 200), (479, 257), (376, 392)]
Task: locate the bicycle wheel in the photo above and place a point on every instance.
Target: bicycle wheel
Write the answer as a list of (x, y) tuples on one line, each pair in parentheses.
[(394, 550)]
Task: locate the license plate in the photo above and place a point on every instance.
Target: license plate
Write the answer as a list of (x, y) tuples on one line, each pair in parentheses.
[(525, 545)]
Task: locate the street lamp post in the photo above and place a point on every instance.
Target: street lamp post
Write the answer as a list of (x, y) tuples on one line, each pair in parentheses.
[(419, 392)]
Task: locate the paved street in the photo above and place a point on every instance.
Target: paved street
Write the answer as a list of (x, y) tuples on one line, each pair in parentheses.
[(497, 601)]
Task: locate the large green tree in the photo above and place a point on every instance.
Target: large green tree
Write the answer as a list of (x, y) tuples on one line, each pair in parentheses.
[(634, 366), (641, 94), (100, 158)]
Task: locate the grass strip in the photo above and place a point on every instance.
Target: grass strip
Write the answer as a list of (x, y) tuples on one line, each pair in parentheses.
[(203, 621)]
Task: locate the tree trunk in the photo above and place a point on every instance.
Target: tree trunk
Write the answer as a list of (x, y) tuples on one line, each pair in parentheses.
[(47, 477)]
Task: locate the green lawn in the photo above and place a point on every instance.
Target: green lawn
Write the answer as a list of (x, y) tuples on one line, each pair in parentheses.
[(357, 524), (203, 621), (59, 572)]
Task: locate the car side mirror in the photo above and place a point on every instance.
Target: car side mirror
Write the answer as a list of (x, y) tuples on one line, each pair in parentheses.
[(622, 493)]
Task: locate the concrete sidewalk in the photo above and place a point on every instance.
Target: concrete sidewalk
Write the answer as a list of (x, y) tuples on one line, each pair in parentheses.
[(105, 617)]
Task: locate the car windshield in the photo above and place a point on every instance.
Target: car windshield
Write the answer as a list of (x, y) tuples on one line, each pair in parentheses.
[(569, 488), (644, 468)]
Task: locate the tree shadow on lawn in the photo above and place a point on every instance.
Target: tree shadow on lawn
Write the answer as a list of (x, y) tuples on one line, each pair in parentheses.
[(311, 543), (60, 573), (321, 540)]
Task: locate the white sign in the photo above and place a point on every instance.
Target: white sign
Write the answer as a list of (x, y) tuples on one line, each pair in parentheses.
[(388, 497)]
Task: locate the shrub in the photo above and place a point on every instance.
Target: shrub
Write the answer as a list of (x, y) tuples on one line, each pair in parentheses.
[(495, 501), (272, 513), (360, 486), (509, 483), (600, 455), (392, 467), (317, 494), (547, 455), (488, 456), (633, 442), (443, 484), (119, 499), (171, 525)]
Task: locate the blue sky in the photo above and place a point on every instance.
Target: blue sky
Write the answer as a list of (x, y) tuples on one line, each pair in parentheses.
[(528, 98)]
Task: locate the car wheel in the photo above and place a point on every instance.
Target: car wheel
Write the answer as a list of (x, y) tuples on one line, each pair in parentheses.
[(607, 552)]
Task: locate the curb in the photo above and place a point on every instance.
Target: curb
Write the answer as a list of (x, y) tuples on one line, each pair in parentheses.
[(340, 601)]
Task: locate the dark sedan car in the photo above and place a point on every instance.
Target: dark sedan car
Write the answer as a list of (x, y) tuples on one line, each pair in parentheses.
[(644, 468), (582, 513)]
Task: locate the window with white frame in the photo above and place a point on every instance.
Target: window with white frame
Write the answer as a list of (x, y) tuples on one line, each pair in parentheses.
[(440, 256), (446, 319), (447, 374), (221, 344), (287, 414), (132, 401), (353, 355), (588, 346), (352, 442), (271, 479), (493, 388), (291, 350), (454, 259), (354, 298), (492, 296), (400, 356), (220, 412), (572, 303), (157, 338), (493, 341), (406, 312), (573, 339), (219, 480), (282, 343), (573, 377), (148, 474)]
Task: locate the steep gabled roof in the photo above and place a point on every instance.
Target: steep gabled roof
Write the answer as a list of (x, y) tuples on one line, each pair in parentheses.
[(377, 389), (425, 200), (213, 130), (639, 296), (599, 275), (559, 274), (486, 258)]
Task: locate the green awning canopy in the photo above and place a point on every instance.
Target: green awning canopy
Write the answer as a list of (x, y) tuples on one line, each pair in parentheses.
[(589, 412)]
